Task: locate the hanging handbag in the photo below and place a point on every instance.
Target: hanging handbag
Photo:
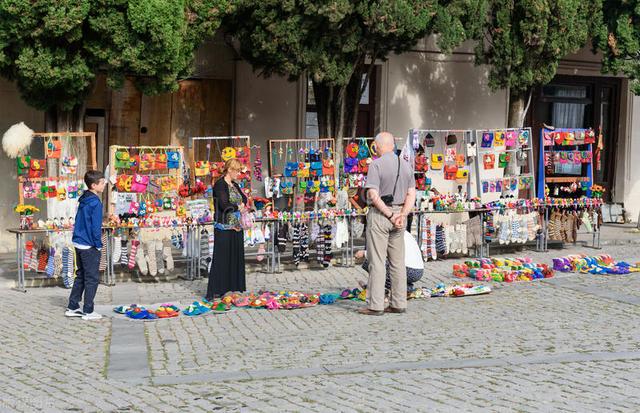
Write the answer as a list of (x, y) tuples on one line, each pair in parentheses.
[(328, 167), (173, 160), (291, 169), (54, 147), (450, 172), (487, 140), (228, 153), (462, 176), (36, 168), (124, 182), (350, 165), (316, 168), (23, 163), (498, 138), (363, 165), (304, 169), (69, 165), (489, 161), (122, 159), (437, 159), (139, 183), (160, 161), (503, 159), (202, 168)]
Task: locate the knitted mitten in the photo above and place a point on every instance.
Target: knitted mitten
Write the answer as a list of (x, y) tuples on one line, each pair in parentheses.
[(132, 253), (462, 233), (103, 253), (43, 257), (211, 244), (124, 256), (328, 255), (151, 258), (141, 261), (50, 267), (168, 256), (57, 264), (33, 263), (28, 254), (159, 258), (117, 249)]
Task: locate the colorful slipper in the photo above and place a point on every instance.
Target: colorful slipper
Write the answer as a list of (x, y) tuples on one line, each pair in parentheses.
[(123, 309), (167, 311), (326, 299), (196, 309)]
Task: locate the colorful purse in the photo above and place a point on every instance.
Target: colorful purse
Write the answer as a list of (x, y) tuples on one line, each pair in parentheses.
[(72, 191), (228, 153), (124, 182), (489, 160), (421, 163), (352, 150), (304, 169), (523, 137), (460, 160), (160, 162), (316, 168), (437, 159), (69, 165), (450, 172), (363, 150), (54, 147), (146, 162), (498, 139), (328, 167), (429, 141), (23, 163), (363, 165), (350, 165), (291, 169), (590, 137), (122, 159), (510, 140), (201, 168), (503, 159), (36, 168), (173, 160), (462, 176), (139, 183), (62, 193), (487, 140), (243, 154), (547, 138), (28, 191)]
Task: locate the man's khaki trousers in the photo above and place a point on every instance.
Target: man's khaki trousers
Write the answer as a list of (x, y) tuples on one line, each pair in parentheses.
[(385, 242)]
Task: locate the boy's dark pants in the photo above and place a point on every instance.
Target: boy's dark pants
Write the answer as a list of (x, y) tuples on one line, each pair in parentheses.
[(87, 279)]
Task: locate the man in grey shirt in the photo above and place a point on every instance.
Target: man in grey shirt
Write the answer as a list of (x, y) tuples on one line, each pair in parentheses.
[(391, 194)]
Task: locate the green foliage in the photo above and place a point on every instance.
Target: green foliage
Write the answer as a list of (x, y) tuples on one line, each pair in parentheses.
[(53, 49), (328, 38), (617, 36), (523, 41)]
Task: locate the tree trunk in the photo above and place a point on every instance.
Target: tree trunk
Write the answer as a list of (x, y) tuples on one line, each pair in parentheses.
[(518, 106), (59, 120)]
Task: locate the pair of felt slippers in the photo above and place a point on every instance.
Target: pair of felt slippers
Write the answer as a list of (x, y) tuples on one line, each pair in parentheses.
[(141, 313)]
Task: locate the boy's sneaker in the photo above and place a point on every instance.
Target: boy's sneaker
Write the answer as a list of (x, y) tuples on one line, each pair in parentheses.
[(92, 316), (73, 313)]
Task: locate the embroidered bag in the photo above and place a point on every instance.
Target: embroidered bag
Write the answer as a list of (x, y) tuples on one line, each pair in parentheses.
[(328, 167), (316, 168), (487, 139), (304, 169), (54, 147), (450, 172), (24, 163), (291, 169), (201, 168), (122, 159), (503, 159), (436, 161), (498, 139), (139, 183), (173, 160), (489, 160), (36, 168), (462, 175)]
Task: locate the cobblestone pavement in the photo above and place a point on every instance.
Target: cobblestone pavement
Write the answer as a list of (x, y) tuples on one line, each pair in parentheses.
[(564, 344)]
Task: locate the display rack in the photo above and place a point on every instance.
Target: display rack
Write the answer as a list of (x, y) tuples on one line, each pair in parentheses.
[(302, 173), (60, 156), (160, 178), (565, 164), (444, 165), (208, 154), (504, 164), (355, 163)]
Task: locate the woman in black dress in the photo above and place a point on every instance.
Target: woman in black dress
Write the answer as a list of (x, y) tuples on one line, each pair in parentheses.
[(227, 272)]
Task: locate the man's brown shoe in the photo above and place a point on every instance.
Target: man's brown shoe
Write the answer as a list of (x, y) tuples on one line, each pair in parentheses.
[(395, 310), (367, 311)]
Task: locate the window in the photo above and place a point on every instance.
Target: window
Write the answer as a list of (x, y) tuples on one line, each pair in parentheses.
[(366, 111)]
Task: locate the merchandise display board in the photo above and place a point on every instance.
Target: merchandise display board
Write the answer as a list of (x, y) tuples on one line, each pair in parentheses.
[(145, 181), (301, 174), (504, 165), (209, 154), (565, 165), (442, 161), (55, 173), (358, 154)]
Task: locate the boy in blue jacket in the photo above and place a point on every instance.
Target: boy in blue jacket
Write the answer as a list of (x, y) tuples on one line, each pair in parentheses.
[(87, 240)]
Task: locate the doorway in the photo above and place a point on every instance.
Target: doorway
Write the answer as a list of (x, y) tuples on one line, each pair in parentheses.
[(581, 102)]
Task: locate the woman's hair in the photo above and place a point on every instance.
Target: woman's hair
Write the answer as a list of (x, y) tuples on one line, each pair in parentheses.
[(232, 164)]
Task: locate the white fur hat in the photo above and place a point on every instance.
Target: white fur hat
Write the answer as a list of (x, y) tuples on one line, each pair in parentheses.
[(16, 140)]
